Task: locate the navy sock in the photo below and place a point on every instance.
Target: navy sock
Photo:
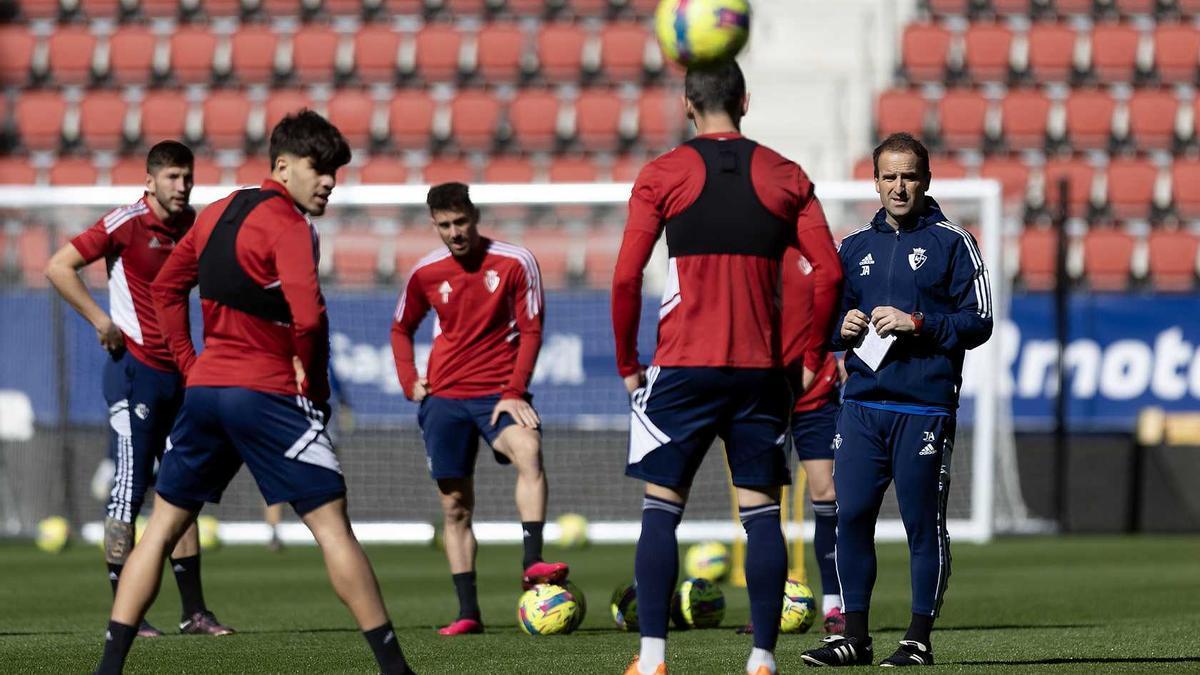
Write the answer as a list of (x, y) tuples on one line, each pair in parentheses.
[(468, 597), (824, 545), (656, 565), (117, 641), (920, 629), (114, 574), (387, 650), (532, 539), (856, 625), (187, 577), (766, 571)]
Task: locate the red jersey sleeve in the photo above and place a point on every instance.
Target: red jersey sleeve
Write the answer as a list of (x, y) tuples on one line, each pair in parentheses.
[(528, 301), (170, 291), (816, 243), (411, 309), (296, 265), (642, 229), (95, 242)]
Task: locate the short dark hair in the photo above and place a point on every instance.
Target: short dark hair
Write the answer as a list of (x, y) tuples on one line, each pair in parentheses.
[(719, 86), (902, 142), (451, 197), (307, 134), (168, 153)]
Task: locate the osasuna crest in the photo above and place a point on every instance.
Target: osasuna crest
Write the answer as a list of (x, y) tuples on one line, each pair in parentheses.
[(837, 441), (142, 411), (916, 258), (491, 279)]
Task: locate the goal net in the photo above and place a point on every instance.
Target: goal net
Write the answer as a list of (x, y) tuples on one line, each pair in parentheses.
[(52, 424)]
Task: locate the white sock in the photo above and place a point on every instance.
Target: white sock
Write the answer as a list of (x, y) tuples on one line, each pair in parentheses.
[(831, 602), (654, 652), (760, 657)]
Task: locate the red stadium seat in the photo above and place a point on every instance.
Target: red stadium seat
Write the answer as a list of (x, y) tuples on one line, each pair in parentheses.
[(627, 167), (1135, 7), (128, 170), (642, 7), (901, 110), (410, 118), (17, 171), (1012, 174), (864, 168), (100, 9), (1176, 46), (552, 249), (597, 119), (39, 9), (348, 8), (474, 116), (623, 50), (924, 49), (102, 120), (225, 116), (16, 54), (73, 171), (1114, 52), (437, 52), (192, 52), (351, 112), (39, 119), (600, 255), (1089, 118), (560, 51), (71, 50), (1051, 51), (573, 170), (281, 103), (131, 55), (1131, 187), (356, 256), (962, 113), (950, 7), (1188, 7), (499, 52), (661, 118), (1173, 257), (946, 167), (1067, 7), (253, 55), (414, 244), (252, 170), (159, 9), (164, 116), (533, 116), (588, 7), (1011, 7), (1107, 258), (383, 170), (281, 8), (375, 51), (446, 170), (1152, 118), (508, 170), (206, 172), (1079, 175), (1185, 176), (1024, 117), (466, 7), (988, 47), (33, 252), (314, 49), (1037, 248), (215, 8)]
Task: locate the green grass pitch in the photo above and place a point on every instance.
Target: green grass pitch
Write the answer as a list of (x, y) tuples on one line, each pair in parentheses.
[(1078, 605)]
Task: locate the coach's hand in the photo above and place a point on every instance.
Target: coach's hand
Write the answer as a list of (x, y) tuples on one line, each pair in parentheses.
[(889, 320), (111, 337), (520, 410), (420, 391), (635, 381), (854, 324)]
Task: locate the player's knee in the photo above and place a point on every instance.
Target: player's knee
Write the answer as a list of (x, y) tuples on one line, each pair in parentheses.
[(456, 511), (822, 493)]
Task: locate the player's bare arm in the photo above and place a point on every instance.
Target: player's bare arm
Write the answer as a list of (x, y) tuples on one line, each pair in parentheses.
[(520, 410), (892, 321), (854, 324), (63, 273)]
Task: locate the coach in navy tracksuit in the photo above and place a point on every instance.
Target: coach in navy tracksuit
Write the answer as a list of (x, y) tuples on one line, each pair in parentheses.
[(913, 274)]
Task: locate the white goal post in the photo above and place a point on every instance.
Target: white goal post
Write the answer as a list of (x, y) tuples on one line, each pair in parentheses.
[(993, 504)]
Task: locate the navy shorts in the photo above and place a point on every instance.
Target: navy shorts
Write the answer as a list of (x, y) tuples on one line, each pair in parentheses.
[(813, 430), (282, 439), (681, 411), (452, 427), (142, 404)]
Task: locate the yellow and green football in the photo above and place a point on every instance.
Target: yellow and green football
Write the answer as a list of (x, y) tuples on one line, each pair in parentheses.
[(702, 32)]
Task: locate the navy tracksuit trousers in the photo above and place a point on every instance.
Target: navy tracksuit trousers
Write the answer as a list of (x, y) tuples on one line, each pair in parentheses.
[(873, 448)]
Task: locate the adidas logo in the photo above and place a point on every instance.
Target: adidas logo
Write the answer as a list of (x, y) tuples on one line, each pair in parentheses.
[(391, 635), (867, 260), (927, 450)]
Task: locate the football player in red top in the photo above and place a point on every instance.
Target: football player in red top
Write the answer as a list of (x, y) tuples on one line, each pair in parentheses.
[(487, 298), (142, 386), (728, 208)]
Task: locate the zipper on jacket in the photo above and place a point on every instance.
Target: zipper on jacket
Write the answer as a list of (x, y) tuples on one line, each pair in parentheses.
[(892, 266)]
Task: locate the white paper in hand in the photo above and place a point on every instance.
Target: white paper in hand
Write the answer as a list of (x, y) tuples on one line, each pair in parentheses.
[(873, 348)]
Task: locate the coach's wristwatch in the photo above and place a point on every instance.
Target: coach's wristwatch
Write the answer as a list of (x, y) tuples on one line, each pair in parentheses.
[(918, 319)]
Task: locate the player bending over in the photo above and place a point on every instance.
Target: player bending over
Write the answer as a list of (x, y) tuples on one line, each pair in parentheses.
[(142, 385), (729, 208), (254, 256), (487, 296), (897, 422)]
